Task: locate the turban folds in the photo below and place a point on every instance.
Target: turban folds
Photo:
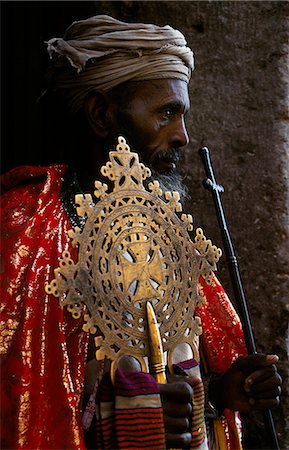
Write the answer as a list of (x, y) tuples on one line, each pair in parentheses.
[(101, 52)]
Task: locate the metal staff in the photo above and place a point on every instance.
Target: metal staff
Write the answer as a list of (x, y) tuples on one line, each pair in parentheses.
[(216, 189)]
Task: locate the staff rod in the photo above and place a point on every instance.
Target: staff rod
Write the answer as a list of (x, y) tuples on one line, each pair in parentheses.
[(237, 285)]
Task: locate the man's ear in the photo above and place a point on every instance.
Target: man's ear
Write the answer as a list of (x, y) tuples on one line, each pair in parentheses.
[(96, 105)]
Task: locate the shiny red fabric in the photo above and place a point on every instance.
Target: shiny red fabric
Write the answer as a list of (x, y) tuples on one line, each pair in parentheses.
[(43, 348), (222, 338), (222, 341)]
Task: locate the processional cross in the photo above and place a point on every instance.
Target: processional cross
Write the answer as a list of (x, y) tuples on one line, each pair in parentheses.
[(137, 265)]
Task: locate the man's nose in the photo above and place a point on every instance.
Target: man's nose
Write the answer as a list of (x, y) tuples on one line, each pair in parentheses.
[(180, 135)]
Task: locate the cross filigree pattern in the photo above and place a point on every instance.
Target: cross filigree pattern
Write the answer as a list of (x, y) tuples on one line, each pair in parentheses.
[(134, 247)]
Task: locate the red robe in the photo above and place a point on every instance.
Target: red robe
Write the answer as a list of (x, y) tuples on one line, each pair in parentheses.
[(43, 349)]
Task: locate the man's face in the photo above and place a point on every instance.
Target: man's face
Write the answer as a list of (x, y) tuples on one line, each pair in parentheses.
[(153, 124)]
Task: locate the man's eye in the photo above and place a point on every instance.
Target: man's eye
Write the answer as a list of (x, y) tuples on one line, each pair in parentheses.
[(167, 113)]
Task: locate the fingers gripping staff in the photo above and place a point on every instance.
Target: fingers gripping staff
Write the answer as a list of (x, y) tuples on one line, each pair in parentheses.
[(134, 249)]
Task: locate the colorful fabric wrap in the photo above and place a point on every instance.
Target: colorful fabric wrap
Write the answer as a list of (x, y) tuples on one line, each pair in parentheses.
[(43, 349)]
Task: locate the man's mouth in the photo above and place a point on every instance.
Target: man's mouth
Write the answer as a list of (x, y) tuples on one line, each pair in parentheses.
[(165, 166), (165, 161)]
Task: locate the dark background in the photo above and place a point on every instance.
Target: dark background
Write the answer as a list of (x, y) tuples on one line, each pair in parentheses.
[(25, 26)]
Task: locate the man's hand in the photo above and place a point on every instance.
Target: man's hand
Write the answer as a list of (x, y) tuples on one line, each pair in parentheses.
[(176, 399), (251, 383)]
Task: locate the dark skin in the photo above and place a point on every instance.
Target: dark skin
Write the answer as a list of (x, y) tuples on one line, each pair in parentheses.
[(153, 122)]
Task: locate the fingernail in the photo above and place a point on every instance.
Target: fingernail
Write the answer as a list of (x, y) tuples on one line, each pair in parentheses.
[(248, 384), (272, 358)]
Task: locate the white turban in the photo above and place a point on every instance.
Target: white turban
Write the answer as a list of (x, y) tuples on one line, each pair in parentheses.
[(101, 52)]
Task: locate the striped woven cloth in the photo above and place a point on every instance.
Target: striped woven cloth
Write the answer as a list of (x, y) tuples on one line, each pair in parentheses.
[(129, 414), (192, 369)]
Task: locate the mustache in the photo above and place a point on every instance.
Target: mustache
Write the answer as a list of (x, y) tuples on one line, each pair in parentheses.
[(171, 155)]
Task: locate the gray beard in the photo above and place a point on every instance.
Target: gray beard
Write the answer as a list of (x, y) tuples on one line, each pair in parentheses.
[(172, 182)]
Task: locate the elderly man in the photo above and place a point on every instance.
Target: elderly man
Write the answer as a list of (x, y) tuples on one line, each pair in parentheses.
[(109, 78)]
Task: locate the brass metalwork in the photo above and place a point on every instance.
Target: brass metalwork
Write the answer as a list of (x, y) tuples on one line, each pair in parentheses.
[(156, 357), (134, 248)]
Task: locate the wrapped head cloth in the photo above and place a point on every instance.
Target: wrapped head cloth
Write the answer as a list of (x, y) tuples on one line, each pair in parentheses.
[(101, 52)]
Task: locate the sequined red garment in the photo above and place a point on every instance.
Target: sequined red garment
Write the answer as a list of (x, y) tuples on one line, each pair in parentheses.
[(43, 348), (222, 341), (222, 337)]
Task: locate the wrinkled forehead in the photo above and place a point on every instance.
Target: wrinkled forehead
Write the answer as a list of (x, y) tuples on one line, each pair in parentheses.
[(161, 92)]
